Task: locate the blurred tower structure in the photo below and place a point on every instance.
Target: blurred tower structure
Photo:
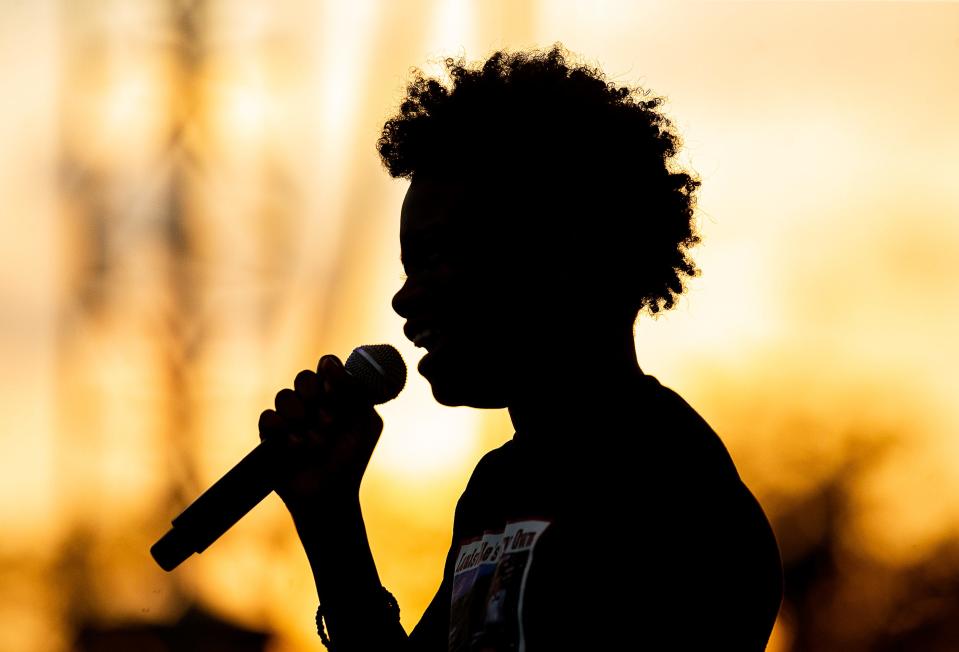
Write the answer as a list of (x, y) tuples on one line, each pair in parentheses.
[(179, 242), (131, 321)]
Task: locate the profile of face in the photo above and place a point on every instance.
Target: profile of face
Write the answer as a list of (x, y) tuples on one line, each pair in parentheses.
[(463, 298)]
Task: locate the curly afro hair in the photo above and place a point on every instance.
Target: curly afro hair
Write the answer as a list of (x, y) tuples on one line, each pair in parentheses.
[(585, 167)]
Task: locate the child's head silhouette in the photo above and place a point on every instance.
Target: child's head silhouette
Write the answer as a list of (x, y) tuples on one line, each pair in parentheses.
[(544, 206)]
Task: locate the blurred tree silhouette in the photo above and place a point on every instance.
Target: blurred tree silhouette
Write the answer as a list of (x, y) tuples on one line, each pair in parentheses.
[(196, 631), (839, 598)]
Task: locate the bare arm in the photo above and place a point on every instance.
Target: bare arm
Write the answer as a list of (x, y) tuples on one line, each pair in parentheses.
[(347, 583), (327, 430)]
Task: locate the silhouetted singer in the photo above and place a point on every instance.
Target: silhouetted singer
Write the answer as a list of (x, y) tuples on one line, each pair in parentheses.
[(545, 212)]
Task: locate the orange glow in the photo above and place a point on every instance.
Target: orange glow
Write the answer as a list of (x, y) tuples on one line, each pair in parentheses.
[(194, 211)]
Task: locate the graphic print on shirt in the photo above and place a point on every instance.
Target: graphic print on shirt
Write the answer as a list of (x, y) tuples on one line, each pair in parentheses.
[(489, 580)]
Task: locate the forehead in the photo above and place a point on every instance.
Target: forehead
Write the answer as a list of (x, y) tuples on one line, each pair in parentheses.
[(430, 206)]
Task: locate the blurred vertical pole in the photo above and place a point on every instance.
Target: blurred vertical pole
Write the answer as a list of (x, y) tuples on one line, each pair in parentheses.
[(130, 321), (184, 337)]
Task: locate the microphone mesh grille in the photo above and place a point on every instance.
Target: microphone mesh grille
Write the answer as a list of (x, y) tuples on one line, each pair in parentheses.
[(380, 368)]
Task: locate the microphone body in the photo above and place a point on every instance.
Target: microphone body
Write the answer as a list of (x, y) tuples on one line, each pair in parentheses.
[(218, 508), (381, 372)]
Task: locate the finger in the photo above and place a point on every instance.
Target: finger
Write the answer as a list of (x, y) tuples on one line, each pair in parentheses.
[(328, 371), (328, 361), (333, 373), (313, 439), (339, 387), (325, 416), (306, 385), (270, 424), (296, 439), (289, 406)]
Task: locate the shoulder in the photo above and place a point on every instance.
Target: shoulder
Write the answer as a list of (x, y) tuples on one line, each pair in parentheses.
[(696, 474), (687, 443), (674, 516), (491, 466), (715, 531)]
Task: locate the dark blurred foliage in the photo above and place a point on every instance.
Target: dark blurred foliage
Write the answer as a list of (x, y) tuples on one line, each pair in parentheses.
[(195, 631), (840, 598)]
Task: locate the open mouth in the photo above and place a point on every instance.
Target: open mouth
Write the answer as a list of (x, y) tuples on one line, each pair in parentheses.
[(435, 346), (427, 338)]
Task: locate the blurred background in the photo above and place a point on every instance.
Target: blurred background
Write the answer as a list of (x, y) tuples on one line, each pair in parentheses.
[(195, 211)]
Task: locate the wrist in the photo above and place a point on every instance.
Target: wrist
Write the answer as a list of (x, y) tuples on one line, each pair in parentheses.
[(369, 623), (328, 507)]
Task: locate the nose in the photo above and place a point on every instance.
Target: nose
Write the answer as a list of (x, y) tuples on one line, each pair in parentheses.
[(401, 300)]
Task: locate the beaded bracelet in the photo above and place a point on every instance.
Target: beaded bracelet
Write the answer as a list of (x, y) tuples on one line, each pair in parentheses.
[(392, 606)]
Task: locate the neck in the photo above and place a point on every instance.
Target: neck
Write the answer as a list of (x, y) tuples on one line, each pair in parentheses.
[(574, 389)]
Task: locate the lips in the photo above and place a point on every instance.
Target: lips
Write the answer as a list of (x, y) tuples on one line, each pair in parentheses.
[(422, 335)]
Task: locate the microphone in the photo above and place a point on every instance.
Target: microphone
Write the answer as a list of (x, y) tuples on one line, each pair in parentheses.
[(382, 374)]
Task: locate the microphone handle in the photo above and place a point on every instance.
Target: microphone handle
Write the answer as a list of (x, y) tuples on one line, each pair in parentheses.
[(218, 508)]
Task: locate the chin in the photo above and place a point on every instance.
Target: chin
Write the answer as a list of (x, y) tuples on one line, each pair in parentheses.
[(452, 399), (466, 390)]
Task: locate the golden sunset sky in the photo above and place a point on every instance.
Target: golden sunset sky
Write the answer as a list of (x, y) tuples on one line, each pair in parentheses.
[(194, 210)]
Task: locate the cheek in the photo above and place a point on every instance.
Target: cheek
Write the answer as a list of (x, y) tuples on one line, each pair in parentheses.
[(493, 307), (488, 315)]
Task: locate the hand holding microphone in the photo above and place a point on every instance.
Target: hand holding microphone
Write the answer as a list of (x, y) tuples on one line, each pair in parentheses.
[(325, 429), (314, 446)]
